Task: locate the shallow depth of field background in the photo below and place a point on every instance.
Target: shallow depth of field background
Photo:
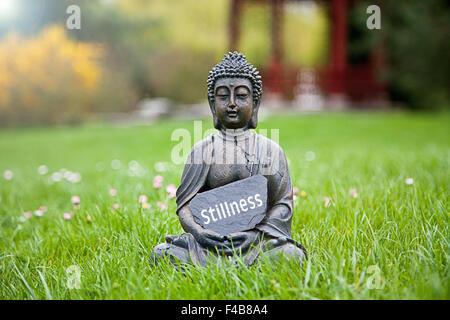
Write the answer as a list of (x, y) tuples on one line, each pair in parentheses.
[(372, 202)]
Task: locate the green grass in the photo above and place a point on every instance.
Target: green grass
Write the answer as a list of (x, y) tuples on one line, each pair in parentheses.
[(397, 231)]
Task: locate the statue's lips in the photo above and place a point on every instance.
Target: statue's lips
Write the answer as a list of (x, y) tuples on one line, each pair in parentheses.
[(232, 114)]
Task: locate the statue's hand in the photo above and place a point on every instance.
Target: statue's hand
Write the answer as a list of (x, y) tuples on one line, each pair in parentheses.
[(241, 241), (208, 238)]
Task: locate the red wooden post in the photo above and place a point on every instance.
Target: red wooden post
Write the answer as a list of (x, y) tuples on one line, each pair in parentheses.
[(338, 45), (235, 24)]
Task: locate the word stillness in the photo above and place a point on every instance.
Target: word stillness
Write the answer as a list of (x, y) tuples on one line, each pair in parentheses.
[(237, 206)]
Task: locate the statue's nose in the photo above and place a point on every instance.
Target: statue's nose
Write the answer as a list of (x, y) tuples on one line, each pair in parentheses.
[(232, 103)]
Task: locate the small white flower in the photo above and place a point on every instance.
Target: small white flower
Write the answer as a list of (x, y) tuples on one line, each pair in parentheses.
[(310, 156), (43, 170), (409, 181), (67, 175), (100, 166), (115, 164), (8, 175), (39, 213), (327, 201), (161, 166), (133, 164), (56, 177), (75, 177)]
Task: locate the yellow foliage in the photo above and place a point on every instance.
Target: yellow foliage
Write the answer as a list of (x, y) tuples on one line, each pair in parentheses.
[(36, 73)]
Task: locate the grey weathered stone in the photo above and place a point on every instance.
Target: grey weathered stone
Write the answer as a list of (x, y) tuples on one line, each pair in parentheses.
[(246, 198)]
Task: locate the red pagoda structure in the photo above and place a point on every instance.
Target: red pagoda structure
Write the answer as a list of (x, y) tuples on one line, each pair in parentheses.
[(356, 83)]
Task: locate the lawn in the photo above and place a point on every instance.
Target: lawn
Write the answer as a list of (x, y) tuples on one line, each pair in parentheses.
[(382, 232)]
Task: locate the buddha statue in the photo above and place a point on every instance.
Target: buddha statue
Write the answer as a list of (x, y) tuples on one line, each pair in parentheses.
[(234, 153)]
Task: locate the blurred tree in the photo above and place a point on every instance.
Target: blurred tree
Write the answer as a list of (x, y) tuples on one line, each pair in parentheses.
[(162, 47), (30, 16), (49, 78), (415, 35), (180, 74), (172, 55), (306, 33), (362, 39)]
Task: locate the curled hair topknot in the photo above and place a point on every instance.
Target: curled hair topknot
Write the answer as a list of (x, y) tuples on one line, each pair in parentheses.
[(235, 65)]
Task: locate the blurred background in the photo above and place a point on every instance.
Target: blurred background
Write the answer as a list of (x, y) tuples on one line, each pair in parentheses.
[(139, 60)]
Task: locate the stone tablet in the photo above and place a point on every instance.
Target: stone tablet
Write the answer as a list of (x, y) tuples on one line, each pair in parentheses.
[(237, 206)]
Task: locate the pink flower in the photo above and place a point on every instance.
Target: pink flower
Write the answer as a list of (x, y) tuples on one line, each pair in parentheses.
[(76, 200), (143, 198), (295, 191), (327, 201), (161, 205), (172, 190), (157, 185), (113, 192), (28, 214), (43, 208), (67, 216), (157, 181), (354, 193), (115, 206)]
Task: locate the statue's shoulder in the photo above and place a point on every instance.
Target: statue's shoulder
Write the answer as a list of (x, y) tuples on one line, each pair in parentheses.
[(201, 151), (200, 145)]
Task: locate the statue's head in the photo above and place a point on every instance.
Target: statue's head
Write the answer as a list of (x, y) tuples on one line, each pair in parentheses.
[(234, 93)]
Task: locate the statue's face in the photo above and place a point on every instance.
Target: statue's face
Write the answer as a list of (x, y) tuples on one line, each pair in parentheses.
[(233, 100)]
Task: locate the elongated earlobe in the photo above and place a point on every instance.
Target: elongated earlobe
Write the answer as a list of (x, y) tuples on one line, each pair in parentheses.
[(253, 123), (216, 121)]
